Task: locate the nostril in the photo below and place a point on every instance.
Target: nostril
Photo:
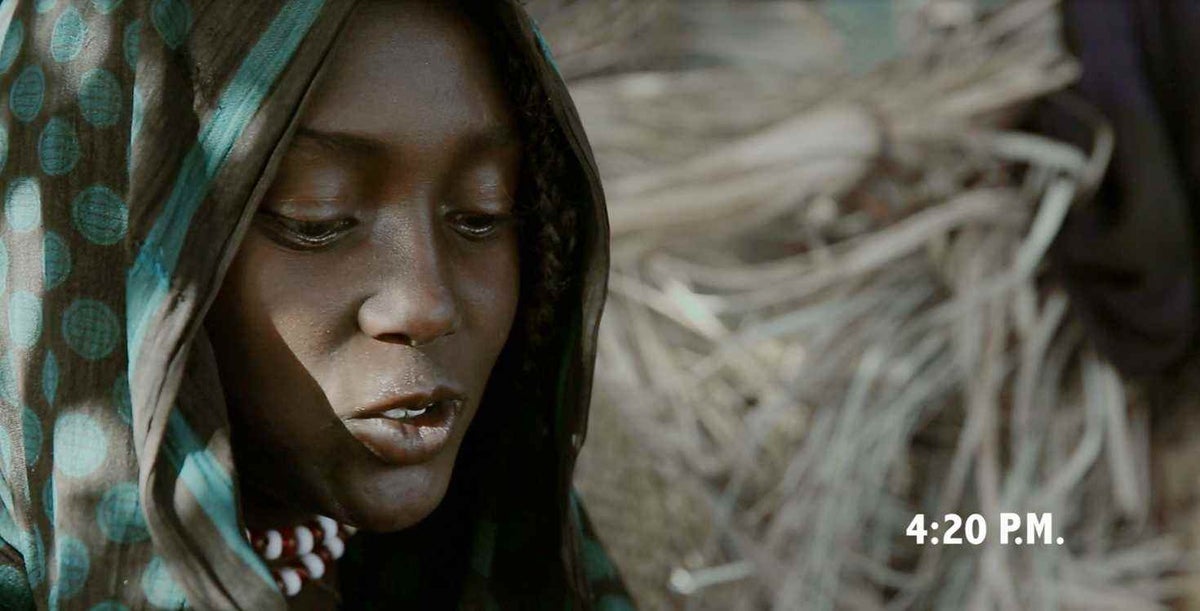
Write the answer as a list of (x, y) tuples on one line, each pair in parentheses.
[(402, 339), (398, 338), (414, 340)]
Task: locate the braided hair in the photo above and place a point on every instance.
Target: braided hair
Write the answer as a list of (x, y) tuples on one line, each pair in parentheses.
[(549, 221)]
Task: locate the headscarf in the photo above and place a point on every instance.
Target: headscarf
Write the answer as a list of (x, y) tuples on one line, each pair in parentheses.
[(1129, 256), (136, 138)]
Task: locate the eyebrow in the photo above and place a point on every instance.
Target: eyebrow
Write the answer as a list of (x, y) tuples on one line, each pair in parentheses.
[(341, 143), (493, 138)]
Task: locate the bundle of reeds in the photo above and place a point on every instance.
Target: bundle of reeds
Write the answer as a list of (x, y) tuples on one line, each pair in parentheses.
[(829, 312)]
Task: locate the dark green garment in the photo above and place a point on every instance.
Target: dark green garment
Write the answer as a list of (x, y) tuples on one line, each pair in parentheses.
[(136, 138)]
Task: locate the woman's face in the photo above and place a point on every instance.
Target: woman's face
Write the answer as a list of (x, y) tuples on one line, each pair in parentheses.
[(361, 318)]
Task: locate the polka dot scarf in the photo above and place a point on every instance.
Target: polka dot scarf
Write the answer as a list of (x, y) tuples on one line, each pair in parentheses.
[(135, 139)]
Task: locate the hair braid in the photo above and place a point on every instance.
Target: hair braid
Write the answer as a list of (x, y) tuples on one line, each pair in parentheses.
[(549, 220)]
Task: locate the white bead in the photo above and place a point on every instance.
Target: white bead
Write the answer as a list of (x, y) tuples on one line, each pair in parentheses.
[(329, 527), (304, 540), (314, 565), (274, 545), (291, 581), (336, 548)]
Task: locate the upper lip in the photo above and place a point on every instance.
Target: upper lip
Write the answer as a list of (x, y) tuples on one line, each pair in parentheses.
[(411, 401)]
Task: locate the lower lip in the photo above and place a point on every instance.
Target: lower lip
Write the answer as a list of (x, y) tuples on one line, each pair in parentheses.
[(407, 442)]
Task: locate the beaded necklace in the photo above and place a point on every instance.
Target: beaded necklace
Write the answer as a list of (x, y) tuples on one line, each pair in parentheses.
[(300, 554)]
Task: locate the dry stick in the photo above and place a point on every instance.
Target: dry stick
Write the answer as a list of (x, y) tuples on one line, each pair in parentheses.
[(995, 571), (1121, 456), (886, 245), (1009, 291), (1089, 449)]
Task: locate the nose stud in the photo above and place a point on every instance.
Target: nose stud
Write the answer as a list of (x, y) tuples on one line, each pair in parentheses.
[(412, 342)]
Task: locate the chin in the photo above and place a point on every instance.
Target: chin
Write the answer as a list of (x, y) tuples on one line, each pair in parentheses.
[(385, 498)]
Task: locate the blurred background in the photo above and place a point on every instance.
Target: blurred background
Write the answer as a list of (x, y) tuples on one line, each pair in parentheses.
[(874, 258)]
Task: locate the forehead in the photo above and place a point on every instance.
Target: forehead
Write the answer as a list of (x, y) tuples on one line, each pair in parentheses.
[(409, 70)]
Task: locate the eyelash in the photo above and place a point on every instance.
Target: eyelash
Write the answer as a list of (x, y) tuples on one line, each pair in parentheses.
[(496, 222), (306, 235), (314, 235)]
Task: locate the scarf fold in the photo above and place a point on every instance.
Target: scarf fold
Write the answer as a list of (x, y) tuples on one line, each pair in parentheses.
[(136, 138)]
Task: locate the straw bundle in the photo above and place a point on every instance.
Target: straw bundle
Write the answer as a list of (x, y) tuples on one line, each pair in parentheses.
[(828, 313)]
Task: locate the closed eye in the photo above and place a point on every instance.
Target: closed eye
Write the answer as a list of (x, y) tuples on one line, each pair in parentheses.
[(479, 225), (299, 234)]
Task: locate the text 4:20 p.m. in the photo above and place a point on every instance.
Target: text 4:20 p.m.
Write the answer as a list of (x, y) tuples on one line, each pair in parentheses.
[(1015, 529)]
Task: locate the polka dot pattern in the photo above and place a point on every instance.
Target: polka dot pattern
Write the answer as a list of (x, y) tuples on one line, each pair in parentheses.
[(159, 586), (56, 260), (13, 39), (70, 32), (100, 98), (80, 445), (31, 432), (58, 147), (23, 204), (25, 96), (106, 6), (173, 20), (100, 215), (14, 589), (91, 329), (72, 564), (24, 319), (50, 378), (120, 516)]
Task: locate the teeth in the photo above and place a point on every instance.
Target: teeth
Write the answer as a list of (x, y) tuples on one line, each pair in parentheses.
[(404, 414)]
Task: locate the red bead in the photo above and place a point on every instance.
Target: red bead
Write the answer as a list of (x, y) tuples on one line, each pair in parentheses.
[(317, 531), (324, 555), (289, 546)]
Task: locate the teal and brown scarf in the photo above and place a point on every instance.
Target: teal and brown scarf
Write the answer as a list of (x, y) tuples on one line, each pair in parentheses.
[(136, 137)]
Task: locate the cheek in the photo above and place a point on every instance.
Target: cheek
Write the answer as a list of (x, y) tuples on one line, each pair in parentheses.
[(275, 327), (275, 307), (266, 328), (491, 294)]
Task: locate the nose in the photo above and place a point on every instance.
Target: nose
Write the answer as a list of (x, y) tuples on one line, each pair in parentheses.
[(414, 302)]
